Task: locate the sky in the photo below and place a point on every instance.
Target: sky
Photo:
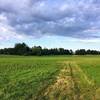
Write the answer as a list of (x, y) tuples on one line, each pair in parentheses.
[(70, 24)]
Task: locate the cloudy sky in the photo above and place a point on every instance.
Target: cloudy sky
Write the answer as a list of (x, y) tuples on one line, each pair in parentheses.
[(71, 24)]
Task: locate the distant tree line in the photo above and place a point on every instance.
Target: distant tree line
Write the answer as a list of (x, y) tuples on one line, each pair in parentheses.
[(87, 52), (23, 49)]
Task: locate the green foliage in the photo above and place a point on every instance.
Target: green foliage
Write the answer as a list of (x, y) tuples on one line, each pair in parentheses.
[(37, 50), (23, 49)]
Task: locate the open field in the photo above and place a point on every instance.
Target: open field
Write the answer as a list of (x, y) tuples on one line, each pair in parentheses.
[(50, 78)]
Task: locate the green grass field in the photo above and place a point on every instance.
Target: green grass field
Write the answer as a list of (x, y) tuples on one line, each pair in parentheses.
[(49, 78)]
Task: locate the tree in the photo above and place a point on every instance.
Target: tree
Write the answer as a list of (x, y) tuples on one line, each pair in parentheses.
[(37, 50), (45, 51), (21, 49), (80, 52)]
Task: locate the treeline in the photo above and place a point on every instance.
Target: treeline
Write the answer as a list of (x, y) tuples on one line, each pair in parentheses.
[(23, 49)]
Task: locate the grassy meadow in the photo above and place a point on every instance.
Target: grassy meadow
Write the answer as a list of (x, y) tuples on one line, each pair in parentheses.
[(49, 78)]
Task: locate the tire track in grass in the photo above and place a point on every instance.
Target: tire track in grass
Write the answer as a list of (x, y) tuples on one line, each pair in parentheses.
[(90, 82), (81, 85), (76, 88), (62, 87), (70, 84), (88, 88)]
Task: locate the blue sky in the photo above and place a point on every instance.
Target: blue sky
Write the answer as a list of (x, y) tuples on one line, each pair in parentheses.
[(71, 24)]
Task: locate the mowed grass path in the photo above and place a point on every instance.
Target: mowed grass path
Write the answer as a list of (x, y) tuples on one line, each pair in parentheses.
[(26, 78)]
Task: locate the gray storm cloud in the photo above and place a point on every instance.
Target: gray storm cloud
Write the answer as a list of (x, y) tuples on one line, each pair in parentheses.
[(72, 18)]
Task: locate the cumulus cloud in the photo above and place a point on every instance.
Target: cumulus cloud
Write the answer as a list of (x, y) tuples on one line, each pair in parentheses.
[(70, 18)]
